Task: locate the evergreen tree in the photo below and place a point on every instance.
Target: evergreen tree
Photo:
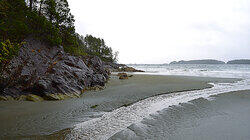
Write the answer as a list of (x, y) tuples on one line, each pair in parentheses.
[(51, 22), (50, 10), (31, 4), (13, 20), (97, 46)]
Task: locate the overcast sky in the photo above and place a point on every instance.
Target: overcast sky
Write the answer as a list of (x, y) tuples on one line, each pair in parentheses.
[(160, 31)]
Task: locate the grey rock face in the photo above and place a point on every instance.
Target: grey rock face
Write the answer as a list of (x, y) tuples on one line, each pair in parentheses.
[(41, 69)]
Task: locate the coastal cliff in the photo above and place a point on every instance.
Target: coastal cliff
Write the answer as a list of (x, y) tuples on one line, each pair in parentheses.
[(41, 71), (47, 71)]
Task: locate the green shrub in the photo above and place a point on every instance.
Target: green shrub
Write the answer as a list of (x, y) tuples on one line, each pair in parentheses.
[(8, 50)]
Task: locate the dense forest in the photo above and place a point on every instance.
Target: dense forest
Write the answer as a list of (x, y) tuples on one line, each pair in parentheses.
[(47, 20)]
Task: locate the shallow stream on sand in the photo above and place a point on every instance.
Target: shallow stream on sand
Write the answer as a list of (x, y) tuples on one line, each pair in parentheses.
[(196, 114), (154, 118), (120, 120)]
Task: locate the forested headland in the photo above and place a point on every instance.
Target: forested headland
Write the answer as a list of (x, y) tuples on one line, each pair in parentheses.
[(49, 21)]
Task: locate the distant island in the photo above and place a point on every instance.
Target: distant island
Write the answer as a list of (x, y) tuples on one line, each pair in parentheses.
[(239, 61), (204, 61)]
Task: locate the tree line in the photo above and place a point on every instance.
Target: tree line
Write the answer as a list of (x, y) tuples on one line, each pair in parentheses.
[(50, 21)]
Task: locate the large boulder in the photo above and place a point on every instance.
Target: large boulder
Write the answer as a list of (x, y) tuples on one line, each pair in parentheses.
[(122, 75), (42, 70)]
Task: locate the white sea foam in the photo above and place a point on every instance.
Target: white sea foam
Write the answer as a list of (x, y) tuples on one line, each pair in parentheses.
[(226, 71)]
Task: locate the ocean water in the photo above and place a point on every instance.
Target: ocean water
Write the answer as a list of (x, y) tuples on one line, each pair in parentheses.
[(220, 70), (207, 114)]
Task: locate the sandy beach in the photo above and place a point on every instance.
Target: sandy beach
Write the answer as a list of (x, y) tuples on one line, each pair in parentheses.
[(124, 70), (223, 117), (30, 119)]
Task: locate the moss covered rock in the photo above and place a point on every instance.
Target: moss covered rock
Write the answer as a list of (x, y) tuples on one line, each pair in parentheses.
[(21, 98), (2, 98), (52, 97), (10, 98), (96, 88), (61, 96), (35, 98)]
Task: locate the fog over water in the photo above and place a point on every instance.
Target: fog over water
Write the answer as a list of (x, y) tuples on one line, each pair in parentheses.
[(161, 31)]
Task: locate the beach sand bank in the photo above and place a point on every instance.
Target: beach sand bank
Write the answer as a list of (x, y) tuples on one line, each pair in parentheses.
[(35, 119), (222, 117)]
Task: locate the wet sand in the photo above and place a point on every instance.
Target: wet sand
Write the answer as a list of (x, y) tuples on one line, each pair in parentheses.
[(48, 117), (222, 117)]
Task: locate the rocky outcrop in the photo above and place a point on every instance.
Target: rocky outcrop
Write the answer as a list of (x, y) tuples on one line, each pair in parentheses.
[(239, 61), (205, 61), (47, 71), (129, 69), (121, 68), (114, 67), (123, 76)]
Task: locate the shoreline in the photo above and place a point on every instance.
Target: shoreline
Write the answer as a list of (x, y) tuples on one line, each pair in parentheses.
[(41, 115), (33, 96), (222, 116)]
